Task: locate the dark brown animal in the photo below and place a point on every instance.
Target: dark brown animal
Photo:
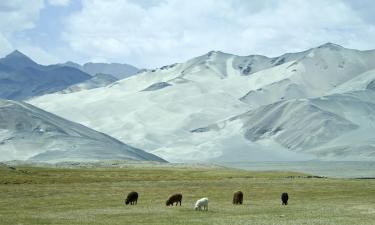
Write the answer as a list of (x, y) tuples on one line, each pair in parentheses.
[(174, 198), (284, 198), (237, 198), (132, 198)]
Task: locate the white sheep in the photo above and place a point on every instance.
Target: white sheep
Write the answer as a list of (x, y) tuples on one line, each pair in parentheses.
[(203, 202)]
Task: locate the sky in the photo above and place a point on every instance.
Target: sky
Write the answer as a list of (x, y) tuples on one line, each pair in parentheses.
[(153, 33)]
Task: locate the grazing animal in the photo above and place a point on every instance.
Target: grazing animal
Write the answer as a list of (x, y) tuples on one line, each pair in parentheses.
[(174, 198), (131, 198), (284, 198), (201, 203), (237, 198)]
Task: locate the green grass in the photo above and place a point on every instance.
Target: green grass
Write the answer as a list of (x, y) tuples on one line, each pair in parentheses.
[(31, 195)]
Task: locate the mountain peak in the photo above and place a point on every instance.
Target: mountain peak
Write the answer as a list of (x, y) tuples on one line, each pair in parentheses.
[(72, 64), (17, 59), (217, 52), (16, 53), (330, 46)]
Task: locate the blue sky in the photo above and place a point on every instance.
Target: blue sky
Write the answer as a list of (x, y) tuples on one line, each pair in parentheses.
[(153, 33)]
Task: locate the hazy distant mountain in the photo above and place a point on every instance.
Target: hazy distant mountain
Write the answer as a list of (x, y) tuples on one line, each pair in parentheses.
[(318, 103), (118, 70), (22, 78), (98, 80), (29, 133)]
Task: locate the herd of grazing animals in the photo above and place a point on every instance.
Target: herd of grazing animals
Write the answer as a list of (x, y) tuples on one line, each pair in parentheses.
[(201, 204)]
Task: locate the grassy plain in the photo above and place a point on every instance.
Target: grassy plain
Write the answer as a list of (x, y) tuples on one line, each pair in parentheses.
[(40, 195)]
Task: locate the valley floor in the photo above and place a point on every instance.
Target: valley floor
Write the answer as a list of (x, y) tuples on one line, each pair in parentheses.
[(40, 195)]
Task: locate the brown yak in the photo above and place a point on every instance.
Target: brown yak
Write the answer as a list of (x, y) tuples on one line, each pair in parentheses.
[(174, 198), (237, 198)]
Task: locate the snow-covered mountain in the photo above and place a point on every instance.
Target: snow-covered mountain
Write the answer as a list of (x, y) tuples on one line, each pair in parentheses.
[(118, 70), (236, 108), (22, 78), (339, 126), (313, 73), (29, 133)]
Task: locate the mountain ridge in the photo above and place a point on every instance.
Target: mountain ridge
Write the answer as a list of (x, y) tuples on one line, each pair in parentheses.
[(29, 133)]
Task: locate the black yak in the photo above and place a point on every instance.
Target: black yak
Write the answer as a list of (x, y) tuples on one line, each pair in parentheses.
[(284, 198), (174, 198), (131, 198), (237, 198)]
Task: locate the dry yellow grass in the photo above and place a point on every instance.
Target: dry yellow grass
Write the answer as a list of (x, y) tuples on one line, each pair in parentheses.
[(31, 195)]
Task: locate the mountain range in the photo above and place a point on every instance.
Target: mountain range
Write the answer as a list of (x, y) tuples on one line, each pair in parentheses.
[(315, 104)]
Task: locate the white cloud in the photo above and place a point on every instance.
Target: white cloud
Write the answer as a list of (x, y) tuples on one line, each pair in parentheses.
[(151, 33), (59, 2), (175, 30), (15, 16), (19, 15)]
